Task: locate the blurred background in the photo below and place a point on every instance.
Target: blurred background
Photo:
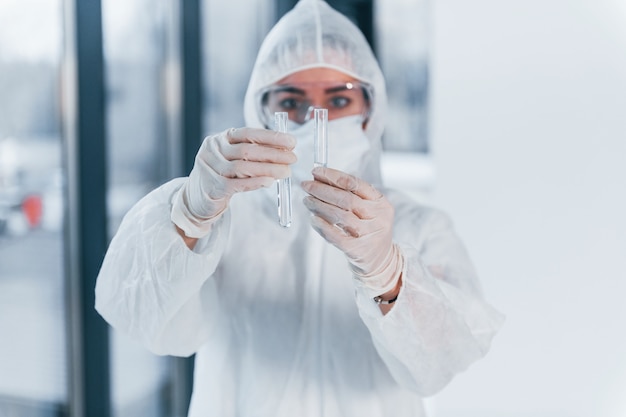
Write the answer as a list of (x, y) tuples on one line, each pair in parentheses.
[(510, 116)]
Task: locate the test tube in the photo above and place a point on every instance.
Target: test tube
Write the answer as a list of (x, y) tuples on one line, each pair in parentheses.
[(320, 138), (284, 184)]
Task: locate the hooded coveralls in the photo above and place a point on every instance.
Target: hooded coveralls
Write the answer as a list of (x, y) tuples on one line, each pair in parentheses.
[(274, 318)]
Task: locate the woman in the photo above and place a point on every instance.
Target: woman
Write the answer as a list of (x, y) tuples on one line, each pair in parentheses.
[(367, 303)]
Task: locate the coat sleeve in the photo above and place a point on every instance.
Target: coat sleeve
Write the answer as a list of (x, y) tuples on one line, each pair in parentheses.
[(440, 323), (151, 286)]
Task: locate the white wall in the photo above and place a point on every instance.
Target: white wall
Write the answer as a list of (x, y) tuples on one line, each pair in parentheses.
[(529, 138)]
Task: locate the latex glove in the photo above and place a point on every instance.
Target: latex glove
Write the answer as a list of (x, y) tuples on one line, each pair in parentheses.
[(233, 161), (356, 218)]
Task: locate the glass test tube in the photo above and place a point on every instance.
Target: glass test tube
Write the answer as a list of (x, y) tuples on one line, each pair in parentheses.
[(284, 184), (320, 138)]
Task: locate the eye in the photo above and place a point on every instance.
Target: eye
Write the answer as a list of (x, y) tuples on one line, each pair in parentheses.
[(289, 103), (339, 102)]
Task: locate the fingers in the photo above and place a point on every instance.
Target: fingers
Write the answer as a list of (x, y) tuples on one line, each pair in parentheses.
[(347, 193), (245, 169), (263, 137), (249, 153), (346, 182), (331, 233), (259, 145), (257, 153), (341, 199), (344, 205), (338, 222), (250, 184)]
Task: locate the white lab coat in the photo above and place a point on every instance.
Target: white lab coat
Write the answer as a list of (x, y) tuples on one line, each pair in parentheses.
[(275, 320)]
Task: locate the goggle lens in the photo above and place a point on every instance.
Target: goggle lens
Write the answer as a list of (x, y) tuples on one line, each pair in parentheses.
[(299, 100)]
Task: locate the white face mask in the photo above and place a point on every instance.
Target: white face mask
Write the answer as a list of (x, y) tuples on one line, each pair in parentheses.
[(347, 147)]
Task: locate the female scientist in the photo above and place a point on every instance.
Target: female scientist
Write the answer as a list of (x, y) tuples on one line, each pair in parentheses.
[(366, 304)]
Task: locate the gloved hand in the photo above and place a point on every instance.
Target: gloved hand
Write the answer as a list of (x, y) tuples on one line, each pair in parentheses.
[(233, 161), (356, 218)]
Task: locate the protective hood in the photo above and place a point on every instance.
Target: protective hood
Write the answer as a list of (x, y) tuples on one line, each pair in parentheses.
[(314, 35)]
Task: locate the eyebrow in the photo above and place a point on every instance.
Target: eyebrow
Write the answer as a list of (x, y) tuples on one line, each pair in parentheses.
[(342, 87), (299, 91), (290, 89)]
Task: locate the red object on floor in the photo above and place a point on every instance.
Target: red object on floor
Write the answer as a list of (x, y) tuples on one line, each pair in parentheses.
[(32, 207)]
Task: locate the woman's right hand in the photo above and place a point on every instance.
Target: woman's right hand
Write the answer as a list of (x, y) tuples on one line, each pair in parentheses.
[(233, 161)]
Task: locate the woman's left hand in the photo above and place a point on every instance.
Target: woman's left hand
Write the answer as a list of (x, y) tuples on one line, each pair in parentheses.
[(358, 219)]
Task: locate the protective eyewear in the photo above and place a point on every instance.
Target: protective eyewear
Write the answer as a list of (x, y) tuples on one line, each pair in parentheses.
[(299, 100)]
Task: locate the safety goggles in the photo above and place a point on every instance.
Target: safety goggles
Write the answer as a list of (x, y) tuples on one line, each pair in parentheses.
[(299, 100)]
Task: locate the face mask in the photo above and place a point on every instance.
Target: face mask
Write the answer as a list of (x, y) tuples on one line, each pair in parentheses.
[(347, 147)]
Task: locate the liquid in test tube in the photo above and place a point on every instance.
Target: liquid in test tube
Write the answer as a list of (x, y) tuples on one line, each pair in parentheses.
[(320, 138), (284, 184)]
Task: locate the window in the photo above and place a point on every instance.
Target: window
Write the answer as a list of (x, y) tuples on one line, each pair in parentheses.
[(33, 364), (136, 63)]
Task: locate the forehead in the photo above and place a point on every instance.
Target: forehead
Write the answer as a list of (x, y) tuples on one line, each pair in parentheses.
[(316, 75)]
